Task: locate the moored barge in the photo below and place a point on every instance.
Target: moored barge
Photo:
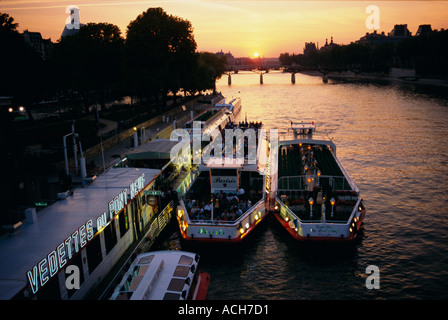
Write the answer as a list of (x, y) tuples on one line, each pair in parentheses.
[(226, 201), (314, 198)]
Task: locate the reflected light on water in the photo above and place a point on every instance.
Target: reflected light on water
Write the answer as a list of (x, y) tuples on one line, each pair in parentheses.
[(393, 143)]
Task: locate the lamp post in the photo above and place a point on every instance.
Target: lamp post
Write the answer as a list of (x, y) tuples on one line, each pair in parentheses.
[(311, 201), (332, 202)]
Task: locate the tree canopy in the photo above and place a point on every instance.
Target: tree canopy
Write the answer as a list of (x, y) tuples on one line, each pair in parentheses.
[(97, 64), (160, 53)]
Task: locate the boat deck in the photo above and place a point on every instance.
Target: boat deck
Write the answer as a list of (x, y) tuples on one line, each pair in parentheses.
[(290, 169), (328, 181), (225, 205), (300, 206)]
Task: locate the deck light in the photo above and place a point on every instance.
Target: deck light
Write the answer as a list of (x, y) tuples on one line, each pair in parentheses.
[(311, 201), (241, 230), (332, 202), (247, 225), (286, 218), (10, 109)]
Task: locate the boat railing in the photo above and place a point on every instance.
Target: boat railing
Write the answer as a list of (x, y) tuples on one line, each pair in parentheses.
[(208, 222), (288, 215), (289, 135), (156, 226), (347, 176), (187, 182), (308, 182)]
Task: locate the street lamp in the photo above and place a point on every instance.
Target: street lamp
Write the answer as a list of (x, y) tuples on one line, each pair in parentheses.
[(332, 202), (311, 201)]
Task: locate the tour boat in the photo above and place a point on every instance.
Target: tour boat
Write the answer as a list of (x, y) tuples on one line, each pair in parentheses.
[(81, 237), (163, 275), (225, 198), (217, 116), (234, 105), (314, 198)]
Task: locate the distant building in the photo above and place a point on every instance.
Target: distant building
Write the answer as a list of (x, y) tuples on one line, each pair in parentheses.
[(399, 32), (230, 57), (423, 30), (328, 45), (35, 40), (309, 47), (373, 38)]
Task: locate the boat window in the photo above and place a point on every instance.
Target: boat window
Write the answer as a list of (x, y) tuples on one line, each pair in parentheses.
[(176, 285), (146, 260), (171, 296), (181, 271), (185, 260), (134, 278)]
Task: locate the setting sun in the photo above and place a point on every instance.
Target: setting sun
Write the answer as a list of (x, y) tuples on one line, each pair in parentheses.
[(256, 54)]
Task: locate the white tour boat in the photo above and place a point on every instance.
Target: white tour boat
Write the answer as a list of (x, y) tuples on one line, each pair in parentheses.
[(225, 200), (313, 195), (234, 105), (163, 275)]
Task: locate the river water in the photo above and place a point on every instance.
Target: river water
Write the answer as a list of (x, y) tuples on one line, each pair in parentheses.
[(393, 141)]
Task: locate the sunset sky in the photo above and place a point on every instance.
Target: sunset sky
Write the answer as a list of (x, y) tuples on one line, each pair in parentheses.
[(242, 27)]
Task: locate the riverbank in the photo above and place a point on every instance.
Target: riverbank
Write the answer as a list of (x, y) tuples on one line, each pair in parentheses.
[(349, 76)]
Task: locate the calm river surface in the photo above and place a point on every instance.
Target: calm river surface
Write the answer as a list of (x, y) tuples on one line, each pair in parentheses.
[(393, 142)]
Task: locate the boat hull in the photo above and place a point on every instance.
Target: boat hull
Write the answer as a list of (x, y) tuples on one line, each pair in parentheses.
[(353, 235), (202, 287), (236, 238)]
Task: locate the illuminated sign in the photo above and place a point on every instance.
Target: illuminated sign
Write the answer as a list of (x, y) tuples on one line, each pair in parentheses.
[(224, 183), (49, 266), (137, 185)]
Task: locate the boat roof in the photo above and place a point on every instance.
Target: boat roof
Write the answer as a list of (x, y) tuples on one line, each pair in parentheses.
[(223, 102), (20, 251), (155, 149), (158, 275)]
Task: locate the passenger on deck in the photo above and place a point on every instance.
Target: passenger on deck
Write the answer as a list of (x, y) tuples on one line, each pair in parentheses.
[(225, 216), (239, 212), (233, 215), (207, 209), (216, 205)]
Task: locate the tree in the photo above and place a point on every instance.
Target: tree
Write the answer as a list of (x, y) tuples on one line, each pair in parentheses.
[(7, 23), (90, 62), (160, 54), (210, 67), (22, 67)]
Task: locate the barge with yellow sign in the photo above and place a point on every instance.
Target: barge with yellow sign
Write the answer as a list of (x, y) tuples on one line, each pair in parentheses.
[(226, 199)]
